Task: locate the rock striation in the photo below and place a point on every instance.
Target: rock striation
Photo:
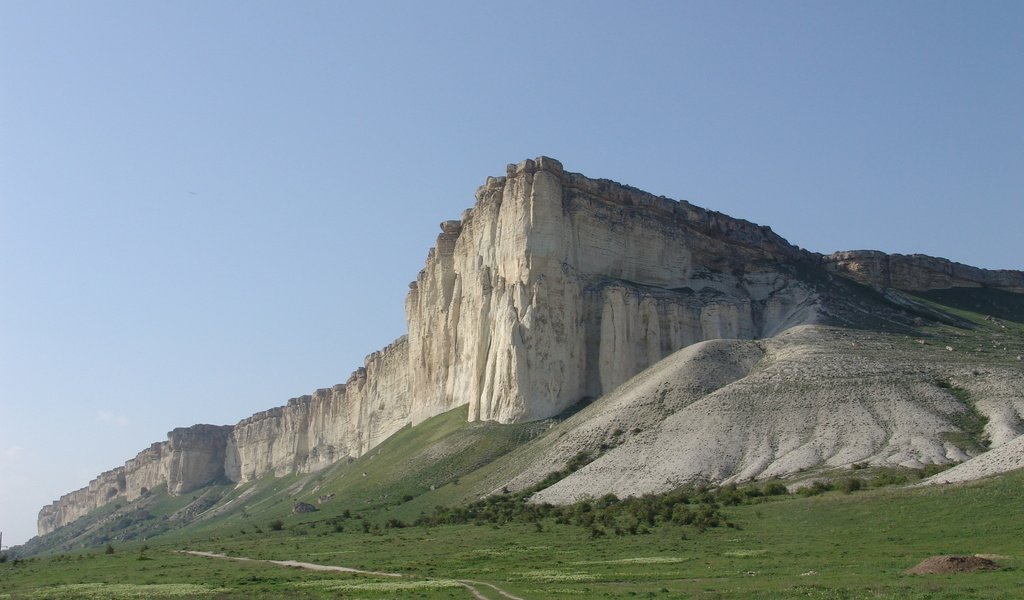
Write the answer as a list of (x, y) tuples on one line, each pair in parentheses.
[(553, 288), (917, 272)]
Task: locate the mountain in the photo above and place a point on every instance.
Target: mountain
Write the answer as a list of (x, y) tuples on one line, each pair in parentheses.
[(665, 342)]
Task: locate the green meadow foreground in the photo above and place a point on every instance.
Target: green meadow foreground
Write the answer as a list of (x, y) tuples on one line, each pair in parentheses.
[(833, 545)]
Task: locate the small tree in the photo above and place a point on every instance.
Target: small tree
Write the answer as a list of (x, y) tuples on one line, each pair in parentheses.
[(276, 525), (109, 550)]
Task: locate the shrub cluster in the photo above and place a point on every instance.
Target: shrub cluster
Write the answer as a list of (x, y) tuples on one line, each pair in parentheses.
[(700, 508)]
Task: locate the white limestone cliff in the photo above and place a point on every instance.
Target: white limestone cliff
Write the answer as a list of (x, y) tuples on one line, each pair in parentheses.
[(553, 288), (312, 432), (192, 457)]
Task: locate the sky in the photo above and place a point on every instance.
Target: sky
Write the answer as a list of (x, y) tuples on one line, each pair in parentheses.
[(207, 208)]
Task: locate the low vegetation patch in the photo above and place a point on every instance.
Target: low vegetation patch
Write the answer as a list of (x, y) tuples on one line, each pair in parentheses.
[(699, 508), (123, 591), (972, 422)]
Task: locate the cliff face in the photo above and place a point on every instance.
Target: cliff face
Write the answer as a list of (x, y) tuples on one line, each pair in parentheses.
[(315, 431), (556, 287), (191, 458), (917, 272), (195, 457), (552, 288)]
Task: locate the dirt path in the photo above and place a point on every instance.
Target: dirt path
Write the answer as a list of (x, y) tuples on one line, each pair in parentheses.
[(472, 590), (468, 584), (315, 567), (490, 585), (294, 563)]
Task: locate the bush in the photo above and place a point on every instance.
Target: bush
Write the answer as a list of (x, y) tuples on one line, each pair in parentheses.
[(813, 490), (775, 489), (851, 484), (885, 479), (682, 515), (698, 507), (930, 470), (276, 525), (109, 550)]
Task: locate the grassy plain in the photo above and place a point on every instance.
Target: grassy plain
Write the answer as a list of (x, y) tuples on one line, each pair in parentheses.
[(834, 546)]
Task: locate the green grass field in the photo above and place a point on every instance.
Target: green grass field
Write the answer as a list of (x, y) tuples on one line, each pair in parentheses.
[(834, 545)]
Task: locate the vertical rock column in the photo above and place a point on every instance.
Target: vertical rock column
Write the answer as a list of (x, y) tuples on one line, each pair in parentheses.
[(195, 457)]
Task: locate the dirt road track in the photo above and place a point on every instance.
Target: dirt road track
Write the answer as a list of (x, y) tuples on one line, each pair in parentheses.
[(468, 584)]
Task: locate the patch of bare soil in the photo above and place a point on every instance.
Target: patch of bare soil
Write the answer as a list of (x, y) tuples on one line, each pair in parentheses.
[(953, 564)]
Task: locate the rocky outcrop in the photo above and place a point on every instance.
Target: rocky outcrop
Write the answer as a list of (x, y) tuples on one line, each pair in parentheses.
[(195, 457), (553, 288), (556, 287), (917, 272), (192, 457)]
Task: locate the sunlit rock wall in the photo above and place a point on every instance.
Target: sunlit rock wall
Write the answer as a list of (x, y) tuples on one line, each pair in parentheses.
[(556, 287), (315, 431)]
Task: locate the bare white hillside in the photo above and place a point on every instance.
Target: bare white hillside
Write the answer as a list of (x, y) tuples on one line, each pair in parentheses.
[(812, 397)]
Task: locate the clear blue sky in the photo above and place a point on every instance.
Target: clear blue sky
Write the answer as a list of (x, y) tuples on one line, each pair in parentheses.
[(209, 207)]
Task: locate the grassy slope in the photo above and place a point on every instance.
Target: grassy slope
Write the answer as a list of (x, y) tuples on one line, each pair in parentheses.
[(996, 335), (996, 303)]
